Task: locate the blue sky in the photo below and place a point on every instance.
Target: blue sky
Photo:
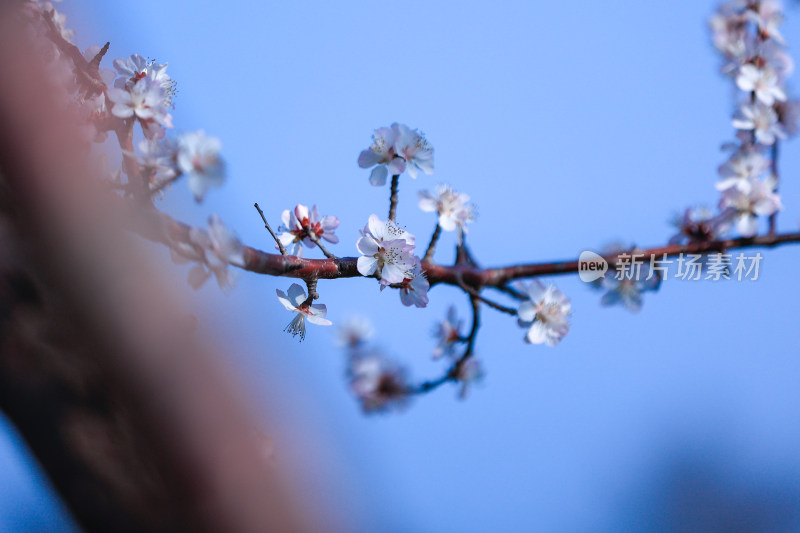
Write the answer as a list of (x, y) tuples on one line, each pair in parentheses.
[(570, 126)]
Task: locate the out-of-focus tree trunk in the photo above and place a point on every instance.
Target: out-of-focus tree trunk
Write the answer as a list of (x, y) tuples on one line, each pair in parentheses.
[(128, 413)]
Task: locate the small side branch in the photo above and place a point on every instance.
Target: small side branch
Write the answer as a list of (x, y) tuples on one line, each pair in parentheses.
[(393, 197), (476, 295), (511, 291), (313, 238), (269, 229), (454, 371), (432, 246)]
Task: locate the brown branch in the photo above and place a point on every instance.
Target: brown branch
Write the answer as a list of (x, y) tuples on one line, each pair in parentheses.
[(269, 229), (393, 197), (313, 238), (453, 371), (432, 246), (477, 295), (157, 226)]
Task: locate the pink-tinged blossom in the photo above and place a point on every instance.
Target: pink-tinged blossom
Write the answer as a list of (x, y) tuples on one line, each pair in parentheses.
[(447, 333), (742, 167), (763, 82), (762, 120), (743, 208), (296, 301), (378, 383), (136, 68), (382, 153), (215, 249), (453, 208), (545, 313), (414, 289), (412, 146), (198, 157), (697, 224), (299, 224), (387, 250)]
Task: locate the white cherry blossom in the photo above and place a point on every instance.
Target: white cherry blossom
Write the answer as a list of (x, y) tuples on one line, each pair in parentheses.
[(198, 157), (743, 208), (453, 208), (545, 313), (394, 150), (762, 120), (387, 250), (382, 153), (157, 160), (412, 146), (146, 100), (414, 289), (296, 301), (764, 82), (742, 167)]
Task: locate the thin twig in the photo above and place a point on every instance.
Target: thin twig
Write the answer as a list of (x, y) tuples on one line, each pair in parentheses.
[(393, 197), (453, 371), (475, 294), (432, 246), (511, 291), (313, 238), (269, 229)]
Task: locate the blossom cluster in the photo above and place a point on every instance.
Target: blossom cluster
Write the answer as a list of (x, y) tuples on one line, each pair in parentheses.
[(394, 150), (747, 34), (143, 91), (387, 252), (295, 300), (544, 313)]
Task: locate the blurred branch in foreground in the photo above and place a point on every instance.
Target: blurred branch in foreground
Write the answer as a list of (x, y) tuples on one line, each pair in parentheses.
[(130, 415)]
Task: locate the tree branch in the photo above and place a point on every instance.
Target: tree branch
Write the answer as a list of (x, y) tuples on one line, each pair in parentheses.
[(393, 197), (160, 227)]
